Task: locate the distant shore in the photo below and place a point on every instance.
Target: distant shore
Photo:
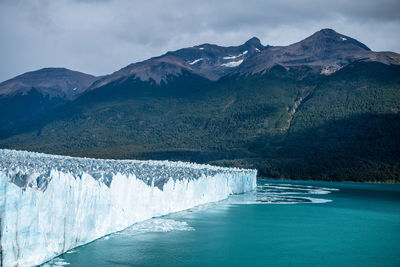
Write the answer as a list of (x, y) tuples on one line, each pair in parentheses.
[(333, 181)]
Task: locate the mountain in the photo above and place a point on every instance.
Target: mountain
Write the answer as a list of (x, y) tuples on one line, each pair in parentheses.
[(325, 51), (207, 60), (29, 96), (324, 108), (53, 82)]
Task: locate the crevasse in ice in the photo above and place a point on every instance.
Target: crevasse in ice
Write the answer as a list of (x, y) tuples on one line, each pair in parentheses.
[(50, 204)]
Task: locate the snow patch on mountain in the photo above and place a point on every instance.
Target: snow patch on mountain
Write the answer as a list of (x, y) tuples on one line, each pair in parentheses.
[(195, 61), (234, 57), (231, 57), (232, 64)]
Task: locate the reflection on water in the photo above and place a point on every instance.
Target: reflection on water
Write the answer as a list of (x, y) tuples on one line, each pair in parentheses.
[(283, 194)]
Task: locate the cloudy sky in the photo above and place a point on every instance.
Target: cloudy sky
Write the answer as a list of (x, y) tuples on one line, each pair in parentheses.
[(99, 37)]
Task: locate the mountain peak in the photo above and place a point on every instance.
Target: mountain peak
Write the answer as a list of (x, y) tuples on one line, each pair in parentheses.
[(207, 60), (328, 36), (253, 41), (54, 69), (324, 50), (327, 31), (60, 82)]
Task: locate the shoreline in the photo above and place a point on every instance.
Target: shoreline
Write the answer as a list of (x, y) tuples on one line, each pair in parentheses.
[(331, 181)]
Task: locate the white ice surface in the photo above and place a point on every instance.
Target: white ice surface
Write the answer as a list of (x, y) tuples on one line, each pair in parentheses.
[(51, 204)]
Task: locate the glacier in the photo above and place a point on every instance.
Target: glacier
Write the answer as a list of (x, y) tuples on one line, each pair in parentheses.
[(50, 204)]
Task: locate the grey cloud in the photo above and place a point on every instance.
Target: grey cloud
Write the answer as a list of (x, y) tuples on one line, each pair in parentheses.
[(99, 37)]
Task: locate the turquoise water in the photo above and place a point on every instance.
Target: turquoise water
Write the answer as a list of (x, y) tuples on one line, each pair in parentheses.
[(284, 223)]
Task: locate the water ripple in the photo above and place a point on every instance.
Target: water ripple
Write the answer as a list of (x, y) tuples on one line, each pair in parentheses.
[(156, 225)]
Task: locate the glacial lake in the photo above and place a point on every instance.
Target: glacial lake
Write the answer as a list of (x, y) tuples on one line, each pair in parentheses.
[(282, 223)]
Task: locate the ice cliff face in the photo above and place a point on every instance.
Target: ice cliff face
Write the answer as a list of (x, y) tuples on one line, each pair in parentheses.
[(50, 204)]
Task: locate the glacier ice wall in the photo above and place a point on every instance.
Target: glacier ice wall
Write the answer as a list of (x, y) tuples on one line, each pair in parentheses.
[(50, 204)]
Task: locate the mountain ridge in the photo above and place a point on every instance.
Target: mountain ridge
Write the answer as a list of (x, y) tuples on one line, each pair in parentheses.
[(213, 62), (206, 60), (325, 51), (55, 82)]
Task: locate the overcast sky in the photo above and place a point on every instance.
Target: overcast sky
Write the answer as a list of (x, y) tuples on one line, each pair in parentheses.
[(99, 37)]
